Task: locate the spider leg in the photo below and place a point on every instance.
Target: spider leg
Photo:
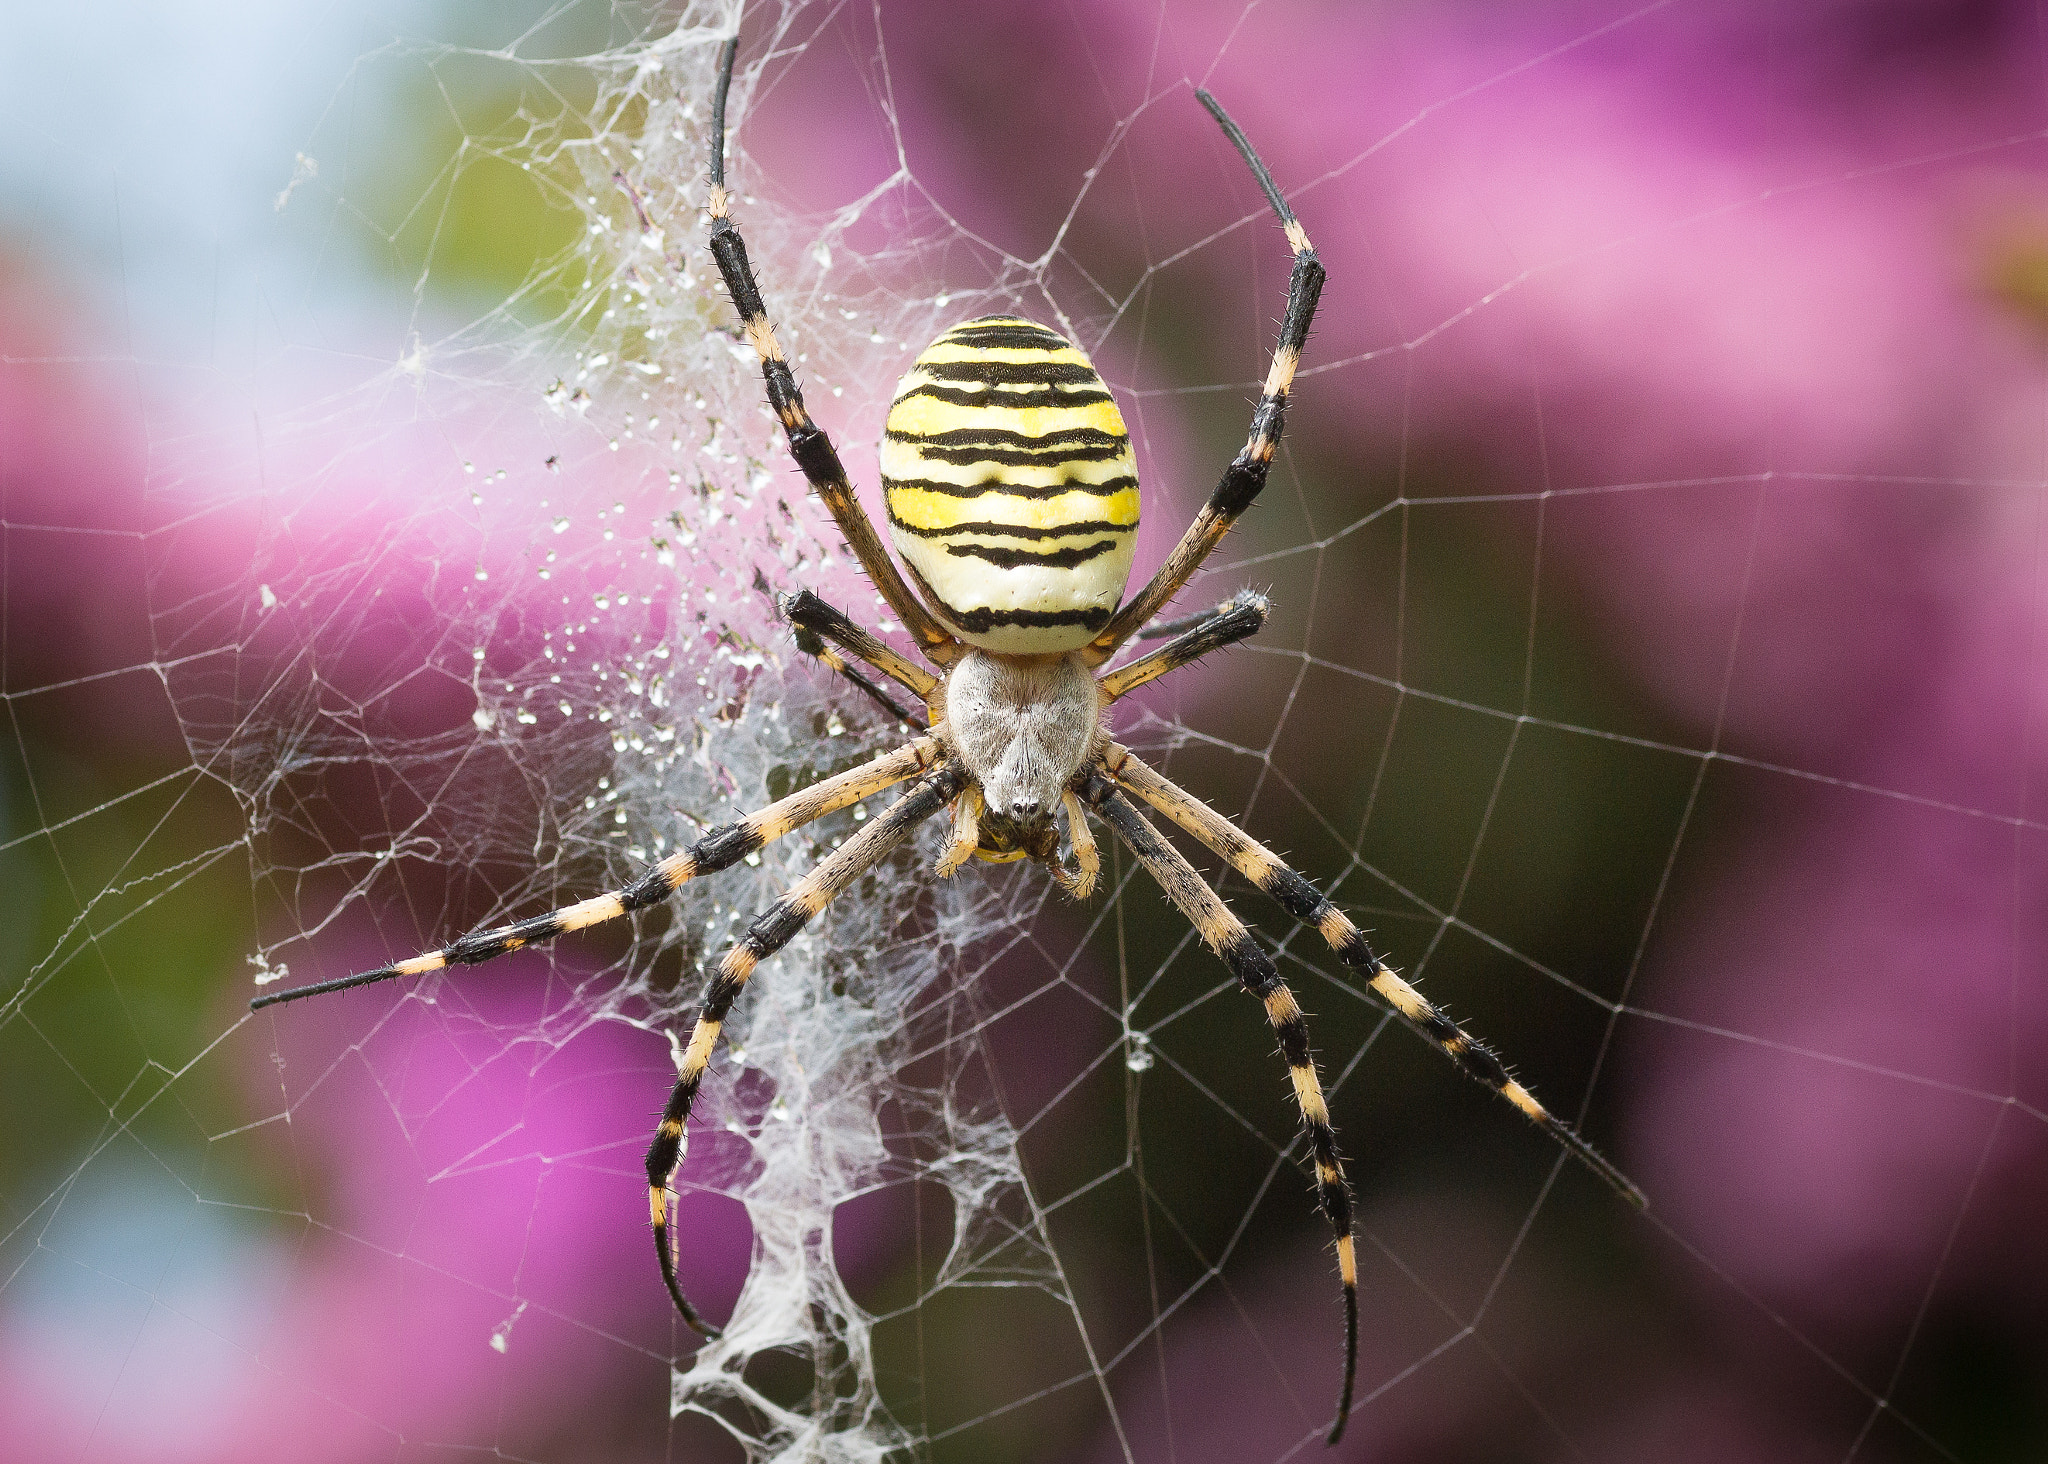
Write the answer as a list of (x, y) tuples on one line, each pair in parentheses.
[(1236, 619), (966, 833), (771, 931), (1306, 903), (1246, 474), (1226, 935), (808, 443), (722, 846), (1088, 862), (810, 645), (808, 613), (1161, 629)]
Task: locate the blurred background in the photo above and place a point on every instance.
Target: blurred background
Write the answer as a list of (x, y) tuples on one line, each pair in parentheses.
[(1660, 561)]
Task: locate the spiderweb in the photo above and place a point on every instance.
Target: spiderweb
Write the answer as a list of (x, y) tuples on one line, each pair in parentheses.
[(1656, 668)]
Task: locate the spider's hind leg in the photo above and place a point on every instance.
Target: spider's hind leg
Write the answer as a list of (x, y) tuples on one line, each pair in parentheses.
[(1306, 903), (773, 929), (1225, 935), (808, 443), (1245, 478)]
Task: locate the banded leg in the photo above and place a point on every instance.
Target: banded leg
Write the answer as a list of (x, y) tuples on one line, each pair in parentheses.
[(1236, 619), (1162, 629), (1223, 933), (1246, 474), (725, 845), (1305, 902), (773, 929), (816, 622), (808, 443), (811, 645)]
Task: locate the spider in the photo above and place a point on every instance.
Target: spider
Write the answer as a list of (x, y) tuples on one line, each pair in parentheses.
[(1012, 496)]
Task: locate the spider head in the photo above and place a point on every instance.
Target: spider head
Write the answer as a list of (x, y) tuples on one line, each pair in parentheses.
[(1019, 806), (1006, 836)]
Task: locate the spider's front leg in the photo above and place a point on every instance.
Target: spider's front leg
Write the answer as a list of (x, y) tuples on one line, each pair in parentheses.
[(770, 932), (720, 848), (1243, 480), (808, 442)]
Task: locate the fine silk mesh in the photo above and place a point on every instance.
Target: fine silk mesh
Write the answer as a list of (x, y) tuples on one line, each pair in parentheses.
[(1655, 670)]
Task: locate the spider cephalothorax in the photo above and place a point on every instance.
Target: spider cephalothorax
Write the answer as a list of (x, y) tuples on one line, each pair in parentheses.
[(1013, 497), (1023, 727)]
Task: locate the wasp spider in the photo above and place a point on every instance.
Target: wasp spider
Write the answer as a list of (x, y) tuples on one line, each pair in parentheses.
[(1013, 499)]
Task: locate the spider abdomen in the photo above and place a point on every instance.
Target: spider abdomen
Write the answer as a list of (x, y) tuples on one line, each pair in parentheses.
[(1012, 491)]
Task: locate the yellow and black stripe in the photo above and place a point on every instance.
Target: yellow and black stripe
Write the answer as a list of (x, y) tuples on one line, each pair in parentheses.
[(773, 929), (1011, 487)]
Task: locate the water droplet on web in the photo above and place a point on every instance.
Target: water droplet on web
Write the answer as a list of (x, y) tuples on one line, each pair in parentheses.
[(501, 1335), (304, 170)]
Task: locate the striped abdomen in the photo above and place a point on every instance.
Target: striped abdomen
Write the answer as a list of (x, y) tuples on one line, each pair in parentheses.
[(1012, 492)]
